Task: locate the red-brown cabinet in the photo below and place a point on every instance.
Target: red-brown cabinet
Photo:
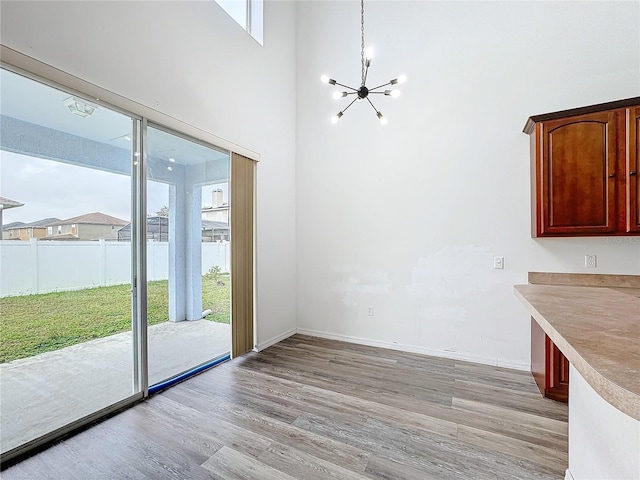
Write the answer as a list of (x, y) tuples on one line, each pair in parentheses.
[(550, 368), (633, 167), (584, 170)]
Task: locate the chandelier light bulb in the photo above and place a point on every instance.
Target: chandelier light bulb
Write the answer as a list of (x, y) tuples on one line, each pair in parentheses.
[(395, 93), (335, 119), (383, 119), (400, 79), (326, 79), (369, 53), (338, 95)]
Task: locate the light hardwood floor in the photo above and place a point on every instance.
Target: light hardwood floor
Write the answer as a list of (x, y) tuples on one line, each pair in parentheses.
[(310, 408)]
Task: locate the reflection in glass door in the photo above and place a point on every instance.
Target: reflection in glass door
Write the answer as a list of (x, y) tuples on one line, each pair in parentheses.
[(188, 261), (65, 259)]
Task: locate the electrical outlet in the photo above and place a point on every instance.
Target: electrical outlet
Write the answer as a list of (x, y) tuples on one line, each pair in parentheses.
[(370, 311), (498, 262), (590, 261)]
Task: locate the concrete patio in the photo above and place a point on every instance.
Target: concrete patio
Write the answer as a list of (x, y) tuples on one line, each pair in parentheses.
[(41, 393)]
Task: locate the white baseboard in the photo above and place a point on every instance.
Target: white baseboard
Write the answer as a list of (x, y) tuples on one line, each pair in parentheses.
[(274, 340), (464, 356)]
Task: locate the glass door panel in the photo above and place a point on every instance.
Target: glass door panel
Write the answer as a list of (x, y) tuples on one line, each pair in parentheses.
[(187, 254), (65, 259)]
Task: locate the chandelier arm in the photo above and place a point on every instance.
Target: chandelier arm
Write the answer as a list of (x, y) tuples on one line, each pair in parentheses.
[(352, 101), (379, 86), (372, 105), (347, 86)]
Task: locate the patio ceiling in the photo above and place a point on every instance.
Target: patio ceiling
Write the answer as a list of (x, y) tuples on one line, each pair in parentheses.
[(40, 105)]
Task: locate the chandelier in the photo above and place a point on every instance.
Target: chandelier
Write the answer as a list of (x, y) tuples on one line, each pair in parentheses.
[(363, 92)]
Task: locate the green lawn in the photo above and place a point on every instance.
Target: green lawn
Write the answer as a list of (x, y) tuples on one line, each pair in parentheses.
[(33, 324)]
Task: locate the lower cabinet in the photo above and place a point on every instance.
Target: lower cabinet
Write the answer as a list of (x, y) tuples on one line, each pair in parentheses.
[(550, 368)]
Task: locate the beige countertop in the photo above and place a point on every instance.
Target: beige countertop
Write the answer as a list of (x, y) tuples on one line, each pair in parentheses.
[(598, 330)]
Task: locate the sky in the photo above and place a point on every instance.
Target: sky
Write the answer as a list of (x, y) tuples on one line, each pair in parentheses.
[(54, 189)]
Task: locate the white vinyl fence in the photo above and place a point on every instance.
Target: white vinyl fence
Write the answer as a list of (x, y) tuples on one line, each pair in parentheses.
[(49, 266)]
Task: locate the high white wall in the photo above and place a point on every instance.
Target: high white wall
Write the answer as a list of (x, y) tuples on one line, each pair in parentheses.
[(406, 218), (191, 61)]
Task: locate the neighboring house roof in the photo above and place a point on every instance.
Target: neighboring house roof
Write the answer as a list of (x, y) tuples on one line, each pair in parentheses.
[(12, 225), (45, 222), (95, 218), (38, 223), (8, 203)]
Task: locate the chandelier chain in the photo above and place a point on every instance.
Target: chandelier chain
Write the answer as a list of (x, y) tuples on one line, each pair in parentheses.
[(362, 38)]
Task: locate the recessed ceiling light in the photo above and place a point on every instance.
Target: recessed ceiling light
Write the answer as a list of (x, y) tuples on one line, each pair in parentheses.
[(80, 107), (171, 159), (170, 168)]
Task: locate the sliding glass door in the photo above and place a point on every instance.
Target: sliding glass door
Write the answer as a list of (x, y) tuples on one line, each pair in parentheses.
[(114, 260), (65, 265), (188, 259)]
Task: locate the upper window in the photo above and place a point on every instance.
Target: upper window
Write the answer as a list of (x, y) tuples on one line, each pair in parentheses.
[(247, 13)]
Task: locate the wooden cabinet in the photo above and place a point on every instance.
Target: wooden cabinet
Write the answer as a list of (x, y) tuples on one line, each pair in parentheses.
[(584, 170), (633, 169), (549, 367)]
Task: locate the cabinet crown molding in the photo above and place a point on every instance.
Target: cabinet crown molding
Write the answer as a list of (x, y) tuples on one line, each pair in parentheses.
[(532, 120)]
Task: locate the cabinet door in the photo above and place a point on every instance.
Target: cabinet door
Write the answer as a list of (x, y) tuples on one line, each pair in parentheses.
[(632, 174), (577, 168), (557, 384)]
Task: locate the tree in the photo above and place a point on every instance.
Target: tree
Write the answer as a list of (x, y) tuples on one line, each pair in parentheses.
[(163, 212)]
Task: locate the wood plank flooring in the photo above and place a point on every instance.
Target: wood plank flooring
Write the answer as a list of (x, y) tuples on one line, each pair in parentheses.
[(309, 408)]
